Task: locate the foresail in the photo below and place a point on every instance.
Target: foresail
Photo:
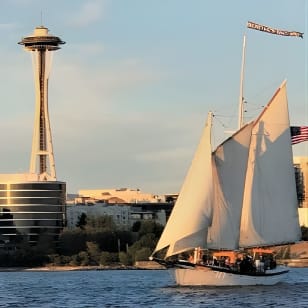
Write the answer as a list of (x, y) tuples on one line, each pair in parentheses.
[(229, 176), (187, 226), (270, 214)]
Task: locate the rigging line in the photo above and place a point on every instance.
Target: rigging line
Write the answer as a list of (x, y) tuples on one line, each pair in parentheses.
[(225, 116), (219, 121), (263, 93), (251, 103), (228, 122)]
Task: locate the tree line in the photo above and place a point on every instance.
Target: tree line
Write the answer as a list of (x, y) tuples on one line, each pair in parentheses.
[(95, 241)]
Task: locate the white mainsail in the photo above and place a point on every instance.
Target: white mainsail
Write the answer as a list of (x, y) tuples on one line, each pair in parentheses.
[(229, 169), (241, 195), (188, 223), (270, 214)]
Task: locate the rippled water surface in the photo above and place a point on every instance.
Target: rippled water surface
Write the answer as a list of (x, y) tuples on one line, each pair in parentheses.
[(141, 288)]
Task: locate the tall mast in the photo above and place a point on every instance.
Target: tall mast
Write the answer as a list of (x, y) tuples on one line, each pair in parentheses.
[(241, 98)]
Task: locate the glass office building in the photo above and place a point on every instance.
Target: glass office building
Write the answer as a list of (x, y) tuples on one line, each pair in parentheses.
[(31, 211)]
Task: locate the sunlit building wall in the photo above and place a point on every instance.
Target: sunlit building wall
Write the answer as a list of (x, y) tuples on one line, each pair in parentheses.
[(30, 209), (301, 174), (124, 216), (120, 195)]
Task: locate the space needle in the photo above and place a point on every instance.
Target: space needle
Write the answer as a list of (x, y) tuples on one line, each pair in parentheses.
[(42, 44), (33, 204)]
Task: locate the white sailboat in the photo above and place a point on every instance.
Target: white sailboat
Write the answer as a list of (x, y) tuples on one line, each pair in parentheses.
[(237, 200)]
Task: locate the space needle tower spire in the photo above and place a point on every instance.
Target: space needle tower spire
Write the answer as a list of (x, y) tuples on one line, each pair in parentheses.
[(42, 44)]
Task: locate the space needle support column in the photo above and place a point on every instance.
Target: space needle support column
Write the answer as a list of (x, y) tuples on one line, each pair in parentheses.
[(41, 44)]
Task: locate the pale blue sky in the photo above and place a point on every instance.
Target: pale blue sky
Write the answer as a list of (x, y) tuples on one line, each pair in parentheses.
[(130, 90)]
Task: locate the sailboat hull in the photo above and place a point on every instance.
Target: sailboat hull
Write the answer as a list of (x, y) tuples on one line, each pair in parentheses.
[(208, 276)]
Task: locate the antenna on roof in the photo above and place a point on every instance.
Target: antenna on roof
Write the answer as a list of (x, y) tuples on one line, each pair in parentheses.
[(41, 18)]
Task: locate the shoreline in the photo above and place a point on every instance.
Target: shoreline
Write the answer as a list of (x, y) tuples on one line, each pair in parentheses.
[(298, 257), (140, 265), (67, 268), (298, 263), (291, 263)]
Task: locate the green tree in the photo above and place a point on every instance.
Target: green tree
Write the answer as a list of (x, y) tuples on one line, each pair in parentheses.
[(143, 254), (125, 238), (108, 258), (93, 252), (99, 242), (125, 258), (101, 223), (106, 239), (72, 242), (59, 260), (75, 260), (84, 258), (147, 241), (82, 221), (150, 226), (136, 226), (148, 235)]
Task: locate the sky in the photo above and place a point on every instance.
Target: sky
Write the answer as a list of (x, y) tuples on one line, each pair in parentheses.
[(130, 90)]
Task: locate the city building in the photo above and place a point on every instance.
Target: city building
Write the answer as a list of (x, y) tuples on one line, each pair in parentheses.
[(123, 215), (301, 175), (125, 197), (125, 206), (32, 205), (120, 195)]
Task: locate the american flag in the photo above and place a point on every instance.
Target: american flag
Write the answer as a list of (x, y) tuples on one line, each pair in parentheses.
[(299, 134)]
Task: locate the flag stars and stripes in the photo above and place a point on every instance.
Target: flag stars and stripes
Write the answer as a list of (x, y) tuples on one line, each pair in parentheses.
[(299, 134)]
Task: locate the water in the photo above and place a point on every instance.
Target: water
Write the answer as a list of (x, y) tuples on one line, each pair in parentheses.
[(140, 288)]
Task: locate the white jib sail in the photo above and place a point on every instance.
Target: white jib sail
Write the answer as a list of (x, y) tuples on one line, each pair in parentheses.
[(187, 225), (229, 166), (270, 214)]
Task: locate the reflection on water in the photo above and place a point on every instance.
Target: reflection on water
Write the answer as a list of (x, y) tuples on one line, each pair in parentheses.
[(141, 288), (292, 292)]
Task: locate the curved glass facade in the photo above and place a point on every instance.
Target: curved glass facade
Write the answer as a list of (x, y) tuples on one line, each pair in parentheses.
[(32, 211)]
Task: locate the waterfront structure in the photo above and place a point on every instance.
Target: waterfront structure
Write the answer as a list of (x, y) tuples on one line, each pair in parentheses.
[(32, 205), (123, 215), (119, 195), (301, 175), (30, 209)]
